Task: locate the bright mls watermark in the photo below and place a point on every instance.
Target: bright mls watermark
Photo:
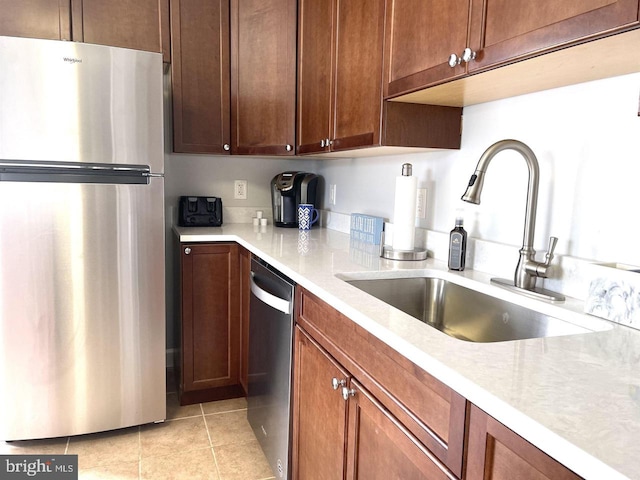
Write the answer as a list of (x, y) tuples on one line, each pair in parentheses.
[(50, 467)]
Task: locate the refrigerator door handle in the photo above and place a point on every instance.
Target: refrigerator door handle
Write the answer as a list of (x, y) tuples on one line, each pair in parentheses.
[(32, 171), (278, 303)]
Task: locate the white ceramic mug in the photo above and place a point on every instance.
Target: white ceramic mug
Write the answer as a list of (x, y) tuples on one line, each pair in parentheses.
[(307, 216)]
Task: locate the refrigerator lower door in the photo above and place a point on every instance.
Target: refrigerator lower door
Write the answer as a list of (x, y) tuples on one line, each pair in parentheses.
[(82, 307)]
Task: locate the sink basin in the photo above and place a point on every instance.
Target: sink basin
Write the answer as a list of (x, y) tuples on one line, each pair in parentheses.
[(464, 313)]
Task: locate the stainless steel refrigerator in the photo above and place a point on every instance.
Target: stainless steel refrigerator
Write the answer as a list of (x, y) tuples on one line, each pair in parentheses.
[(82, 297)]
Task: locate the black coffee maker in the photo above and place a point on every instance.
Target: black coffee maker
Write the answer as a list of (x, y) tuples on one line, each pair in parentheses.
[(288, 190)]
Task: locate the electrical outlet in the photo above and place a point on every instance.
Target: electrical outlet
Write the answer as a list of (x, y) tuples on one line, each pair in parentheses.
[(332, 194), (240, 189), (421, 203)]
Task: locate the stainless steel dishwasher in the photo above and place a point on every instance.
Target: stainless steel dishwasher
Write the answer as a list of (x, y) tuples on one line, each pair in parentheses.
[(270, 347)]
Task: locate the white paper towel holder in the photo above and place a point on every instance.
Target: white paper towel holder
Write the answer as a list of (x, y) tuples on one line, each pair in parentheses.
[(386, 251)]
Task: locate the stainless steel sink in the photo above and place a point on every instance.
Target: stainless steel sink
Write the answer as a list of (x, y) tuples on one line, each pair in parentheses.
[(464, 313)]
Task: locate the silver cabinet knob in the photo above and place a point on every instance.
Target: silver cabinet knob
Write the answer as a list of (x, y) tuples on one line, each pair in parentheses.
[(187, 251), (322, 143), (226, 147), (328, 142), (468, 55), (336, 384), (288, 148), (346, 393)]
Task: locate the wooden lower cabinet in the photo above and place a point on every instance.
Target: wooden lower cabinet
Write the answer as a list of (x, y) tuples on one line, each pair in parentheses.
[(319, 412), (362, 410), (432, 412), (245, 297), (342, 431), (210, 323), (380, 447), (496, 453)]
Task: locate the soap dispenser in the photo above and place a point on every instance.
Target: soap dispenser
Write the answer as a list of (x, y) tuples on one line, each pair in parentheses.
[(457, 246)]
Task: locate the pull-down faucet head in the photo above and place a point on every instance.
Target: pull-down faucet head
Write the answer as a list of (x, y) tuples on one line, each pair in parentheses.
[(474, 189)]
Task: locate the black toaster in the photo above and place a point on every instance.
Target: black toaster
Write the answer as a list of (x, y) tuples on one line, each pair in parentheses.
[(200, 212)]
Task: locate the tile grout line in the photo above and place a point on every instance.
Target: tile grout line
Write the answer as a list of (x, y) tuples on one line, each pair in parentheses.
[(213, 454), (139, 453)]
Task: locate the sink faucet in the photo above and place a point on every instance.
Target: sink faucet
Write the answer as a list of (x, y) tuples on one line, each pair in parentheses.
[(528, 269)]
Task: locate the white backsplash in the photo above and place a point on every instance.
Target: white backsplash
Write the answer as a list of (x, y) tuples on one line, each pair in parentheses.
[(570, 276)]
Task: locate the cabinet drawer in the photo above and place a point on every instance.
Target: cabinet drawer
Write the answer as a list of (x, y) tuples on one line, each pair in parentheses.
[(431, 411)]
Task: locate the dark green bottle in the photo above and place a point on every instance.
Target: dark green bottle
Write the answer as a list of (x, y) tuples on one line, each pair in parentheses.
[(457, 246)]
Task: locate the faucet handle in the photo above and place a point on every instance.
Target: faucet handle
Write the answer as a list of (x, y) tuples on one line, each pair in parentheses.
[(542, 269), (553, 241)]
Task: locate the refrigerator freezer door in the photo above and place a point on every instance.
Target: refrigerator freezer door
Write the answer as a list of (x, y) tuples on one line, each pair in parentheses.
[(82, 316), (77, 102)]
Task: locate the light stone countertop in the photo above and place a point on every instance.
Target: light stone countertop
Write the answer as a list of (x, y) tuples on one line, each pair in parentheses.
[(576, 397)]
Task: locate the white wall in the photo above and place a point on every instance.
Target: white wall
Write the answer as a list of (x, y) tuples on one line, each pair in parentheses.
[(214, 176), (587, 141)]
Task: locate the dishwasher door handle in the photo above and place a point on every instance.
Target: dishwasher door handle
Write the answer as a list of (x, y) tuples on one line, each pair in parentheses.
[(285, 306)]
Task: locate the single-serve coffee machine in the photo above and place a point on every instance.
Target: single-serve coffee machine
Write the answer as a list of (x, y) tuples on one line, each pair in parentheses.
[(288, 190)]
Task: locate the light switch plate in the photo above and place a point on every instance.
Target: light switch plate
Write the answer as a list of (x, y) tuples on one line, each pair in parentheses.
[(332, 194)]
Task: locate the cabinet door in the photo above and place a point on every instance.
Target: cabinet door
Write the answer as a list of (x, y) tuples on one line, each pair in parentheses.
[(379, 447), (210, 316), (263, 76), (506, 30), (48, 19), (315, 81), (358, 90), (245, 297), (431, 411), (136, 24), (420, 36), (319, 413), (200, 76), (496, 453)]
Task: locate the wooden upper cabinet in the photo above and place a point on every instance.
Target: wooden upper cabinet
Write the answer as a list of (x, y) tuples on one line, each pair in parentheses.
[(315, 74), (48, 19), (136, 24), (200, 76), (420, 37), (263, 76), (357, 101), (496, 453), (507, 30), (340, 85)]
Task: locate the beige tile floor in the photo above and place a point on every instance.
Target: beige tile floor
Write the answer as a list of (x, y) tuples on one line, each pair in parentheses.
[(205, 441)]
